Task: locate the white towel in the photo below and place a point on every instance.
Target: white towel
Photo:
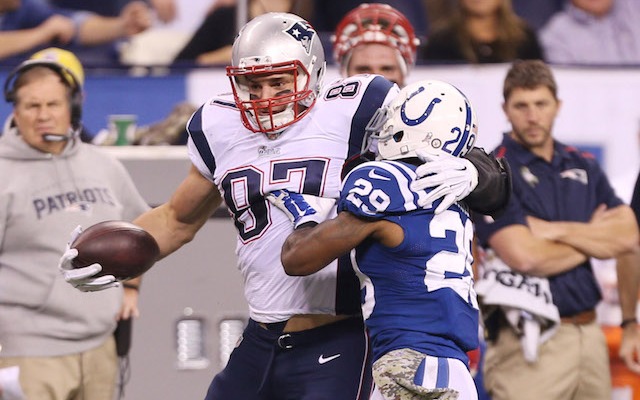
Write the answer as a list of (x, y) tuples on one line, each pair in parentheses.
[(526, 301), (10, 384)]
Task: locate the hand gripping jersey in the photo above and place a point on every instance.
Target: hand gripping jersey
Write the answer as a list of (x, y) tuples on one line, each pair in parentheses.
[(420, 294), (306, 158)]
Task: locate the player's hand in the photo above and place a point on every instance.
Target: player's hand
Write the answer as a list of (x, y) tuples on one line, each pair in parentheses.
[(83, 278), (451, 178), (301, 208)]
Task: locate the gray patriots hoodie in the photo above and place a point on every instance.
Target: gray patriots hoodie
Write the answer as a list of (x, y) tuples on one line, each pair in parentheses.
[(43, 197)]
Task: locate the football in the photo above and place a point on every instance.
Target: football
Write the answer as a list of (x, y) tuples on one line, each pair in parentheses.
[(123, 249)]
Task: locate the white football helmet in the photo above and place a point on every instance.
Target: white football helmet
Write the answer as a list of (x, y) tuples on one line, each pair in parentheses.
[(430, 115), (276, 43)]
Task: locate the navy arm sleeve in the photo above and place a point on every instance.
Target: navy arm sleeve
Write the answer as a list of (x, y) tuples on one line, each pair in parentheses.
[(492, 194)]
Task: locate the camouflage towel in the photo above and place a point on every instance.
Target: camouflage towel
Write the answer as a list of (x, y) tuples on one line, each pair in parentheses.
[(394, 373)]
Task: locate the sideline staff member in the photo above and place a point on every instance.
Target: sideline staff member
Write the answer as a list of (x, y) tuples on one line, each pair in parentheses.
[(562, 212), (50, 182)]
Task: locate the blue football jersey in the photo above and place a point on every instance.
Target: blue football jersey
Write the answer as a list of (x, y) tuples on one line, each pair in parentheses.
[(420, 294)]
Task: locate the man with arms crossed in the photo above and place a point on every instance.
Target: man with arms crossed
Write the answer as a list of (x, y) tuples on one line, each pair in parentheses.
[(562, 212)]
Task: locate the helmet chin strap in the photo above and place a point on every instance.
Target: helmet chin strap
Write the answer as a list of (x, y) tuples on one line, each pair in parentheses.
[(282, 118), (278, 119)]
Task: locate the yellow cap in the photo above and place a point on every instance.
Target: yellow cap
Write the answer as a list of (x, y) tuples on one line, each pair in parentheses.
[(64, 58)]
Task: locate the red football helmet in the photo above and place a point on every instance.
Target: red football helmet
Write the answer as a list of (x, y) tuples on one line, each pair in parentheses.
[(375, 23)]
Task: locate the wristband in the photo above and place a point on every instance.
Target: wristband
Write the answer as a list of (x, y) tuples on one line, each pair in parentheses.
[(628, 321), (131, 286)]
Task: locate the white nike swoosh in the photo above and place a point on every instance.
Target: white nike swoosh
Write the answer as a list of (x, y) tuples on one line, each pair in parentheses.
[(373, 175), (323, 360)]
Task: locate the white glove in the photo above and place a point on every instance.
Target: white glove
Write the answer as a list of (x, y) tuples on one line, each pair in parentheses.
[(452, 179), (301, 208), (82, 278)]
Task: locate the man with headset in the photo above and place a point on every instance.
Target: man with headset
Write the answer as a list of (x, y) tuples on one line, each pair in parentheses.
[(59, 341)]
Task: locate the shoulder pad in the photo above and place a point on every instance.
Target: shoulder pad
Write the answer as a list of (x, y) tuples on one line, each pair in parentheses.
[(378, 188)]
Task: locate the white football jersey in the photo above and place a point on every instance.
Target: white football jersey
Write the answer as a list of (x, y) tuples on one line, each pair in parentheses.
[(306, 158)]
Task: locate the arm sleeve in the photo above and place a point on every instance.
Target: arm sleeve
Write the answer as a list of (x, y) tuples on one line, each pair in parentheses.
[(200, 153), (492, 194)]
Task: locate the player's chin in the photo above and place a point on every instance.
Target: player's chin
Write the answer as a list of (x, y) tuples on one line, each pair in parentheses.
[(274, 111)]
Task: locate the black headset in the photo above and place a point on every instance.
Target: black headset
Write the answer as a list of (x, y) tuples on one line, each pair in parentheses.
[(67, 76)]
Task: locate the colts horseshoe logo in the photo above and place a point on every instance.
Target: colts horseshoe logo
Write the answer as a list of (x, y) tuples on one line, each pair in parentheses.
[(425, 114)]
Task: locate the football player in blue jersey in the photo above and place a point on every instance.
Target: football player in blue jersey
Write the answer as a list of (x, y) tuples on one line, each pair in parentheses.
[(280, 129), (413, 263)]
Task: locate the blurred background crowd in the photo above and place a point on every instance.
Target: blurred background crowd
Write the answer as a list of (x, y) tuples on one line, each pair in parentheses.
[(160, 37), (174, 38), (183, 33)]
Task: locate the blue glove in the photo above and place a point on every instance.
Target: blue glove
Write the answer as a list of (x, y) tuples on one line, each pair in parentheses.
[(301, 208)]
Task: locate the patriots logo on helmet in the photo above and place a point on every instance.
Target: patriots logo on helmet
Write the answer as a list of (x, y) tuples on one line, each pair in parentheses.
[(303, 33)]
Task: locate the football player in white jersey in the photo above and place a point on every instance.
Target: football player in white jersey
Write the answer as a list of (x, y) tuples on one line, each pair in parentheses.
[(414, 264), (280, 130)]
